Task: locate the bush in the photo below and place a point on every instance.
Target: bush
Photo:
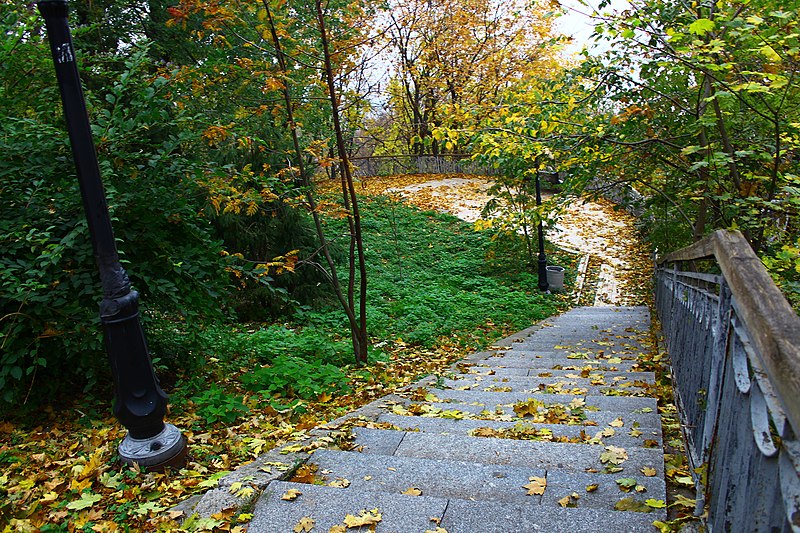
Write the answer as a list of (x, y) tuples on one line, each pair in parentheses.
[(49, 287), (294, 377)]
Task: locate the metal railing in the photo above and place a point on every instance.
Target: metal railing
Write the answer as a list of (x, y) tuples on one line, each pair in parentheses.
[(391, 165), (734, 343)]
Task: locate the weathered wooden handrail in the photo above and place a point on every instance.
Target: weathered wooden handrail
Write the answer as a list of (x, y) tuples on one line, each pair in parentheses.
[(734, 342), (772, 323)]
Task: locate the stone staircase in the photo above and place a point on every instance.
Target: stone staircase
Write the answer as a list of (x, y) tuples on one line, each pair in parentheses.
[(552, 431)]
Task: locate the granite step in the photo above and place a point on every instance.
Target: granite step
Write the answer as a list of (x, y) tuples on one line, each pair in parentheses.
[(566, 457), (644, 417), (597, 385), (497, 517), (560, 363), (399, 513), (621, 436), (485, 372), (328, 507), (490, 400), (444, 478)]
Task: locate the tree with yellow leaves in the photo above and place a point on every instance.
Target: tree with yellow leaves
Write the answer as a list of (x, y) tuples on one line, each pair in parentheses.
[(453, 60)]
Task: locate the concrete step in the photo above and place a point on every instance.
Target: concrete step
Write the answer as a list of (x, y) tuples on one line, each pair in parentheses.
[(643, 417), (490, 400), (563, 346), (516, 373), (559, 363), (624, 437), (475, 481), (439, 478), (328, 506), (472, 517), (565, 457), (596, 386)]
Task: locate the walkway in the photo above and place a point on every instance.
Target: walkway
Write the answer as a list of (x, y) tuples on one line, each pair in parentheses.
[(551, 430)]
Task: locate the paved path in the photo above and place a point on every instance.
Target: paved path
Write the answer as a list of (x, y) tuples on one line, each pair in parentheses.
[(548, 432)]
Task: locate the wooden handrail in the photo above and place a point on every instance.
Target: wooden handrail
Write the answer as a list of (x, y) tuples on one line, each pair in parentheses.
[(771, 322)]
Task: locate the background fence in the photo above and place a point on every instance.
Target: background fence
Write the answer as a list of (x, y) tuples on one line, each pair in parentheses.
[(390, 165)]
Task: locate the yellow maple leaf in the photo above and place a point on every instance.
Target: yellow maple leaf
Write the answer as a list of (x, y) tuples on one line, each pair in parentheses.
[(617, 423), (412, 491), (291, 494), (305, 525), (648, 471), (536, 486), (365, 518), (614, 455)]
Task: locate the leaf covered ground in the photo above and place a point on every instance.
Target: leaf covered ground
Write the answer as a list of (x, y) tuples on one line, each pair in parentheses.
[(435, 298)]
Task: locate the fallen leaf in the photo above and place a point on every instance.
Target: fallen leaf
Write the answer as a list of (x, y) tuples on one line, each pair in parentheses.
[(577, 403), (617, 423), (536, 486), (614, 455), (340, 483), (365, 518), (593, 487), (633, 505), (305, 525), (655, 504), (291, 495), (648, 471), (571, 500), (626, 483), (86, 500), (682, 501), (412, 491)]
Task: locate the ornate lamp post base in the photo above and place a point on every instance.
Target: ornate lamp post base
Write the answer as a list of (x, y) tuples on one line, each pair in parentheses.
[(168, 448)]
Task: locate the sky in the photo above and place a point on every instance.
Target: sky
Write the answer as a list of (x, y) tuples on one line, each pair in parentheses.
[(578, 24)]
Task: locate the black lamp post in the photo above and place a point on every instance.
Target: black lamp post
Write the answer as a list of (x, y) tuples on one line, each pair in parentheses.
[(140, 403), (543, 285)]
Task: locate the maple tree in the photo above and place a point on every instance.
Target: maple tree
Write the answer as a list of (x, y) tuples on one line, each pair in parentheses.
[(283, 32), (453, 60)]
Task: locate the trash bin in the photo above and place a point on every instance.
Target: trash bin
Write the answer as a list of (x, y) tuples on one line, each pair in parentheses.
[(555, 278)]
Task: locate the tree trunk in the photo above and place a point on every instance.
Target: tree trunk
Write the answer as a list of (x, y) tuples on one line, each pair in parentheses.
[(359, 333)]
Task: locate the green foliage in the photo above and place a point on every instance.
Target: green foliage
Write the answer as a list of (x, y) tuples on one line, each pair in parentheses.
[(430, 278), (49, 289), (216, 405), (707, 127), (784, 266), (294, 377)]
